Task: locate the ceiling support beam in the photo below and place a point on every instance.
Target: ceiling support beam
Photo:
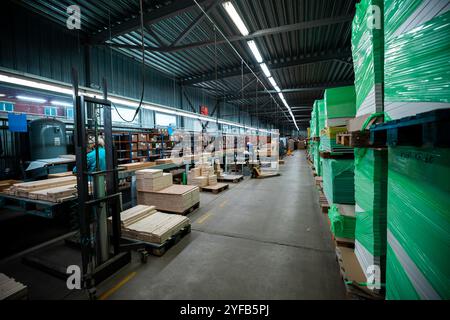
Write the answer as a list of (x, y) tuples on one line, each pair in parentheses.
[(175, 8), (194, 24), (259, 33), (236, 70)]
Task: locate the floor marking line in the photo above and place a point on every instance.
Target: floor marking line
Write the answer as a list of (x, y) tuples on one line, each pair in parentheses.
[(121, 283), (203, 218), (223, 204)]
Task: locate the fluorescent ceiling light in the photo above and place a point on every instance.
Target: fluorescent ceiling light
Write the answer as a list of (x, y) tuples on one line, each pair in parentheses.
[(61, 103), (255, 51), (2, 95), (32, 99), (277, 88), (265, 70), (280, 94), (231, 10), (272, 82), (35, 84)]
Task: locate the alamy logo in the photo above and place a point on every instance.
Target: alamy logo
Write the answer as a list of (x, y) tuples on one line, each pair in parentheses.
[(374, 17), (74, 19), (373, 275), (74, 279)]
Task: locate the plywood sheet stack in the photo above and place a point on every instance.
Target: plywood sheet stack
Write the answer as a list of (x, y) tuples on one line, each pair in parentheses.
[(52, 190), (152, 180), (164, 161), (212, 180), (176, 198), (203, 175), (136, 166), (10, 289)]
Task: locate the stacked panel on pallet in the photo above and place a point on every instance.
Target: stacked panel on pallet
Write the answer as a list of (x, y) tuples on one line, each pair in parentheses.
[(370, 207), (418, 264), (339, 106), (320, 115), (368, 59), (155, 188), (342, 221), (417, 45), (338, 180)]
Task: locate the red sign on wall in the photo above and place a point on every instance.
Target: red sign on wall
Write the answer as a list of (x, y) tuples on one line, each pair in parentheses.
[(204, 110)]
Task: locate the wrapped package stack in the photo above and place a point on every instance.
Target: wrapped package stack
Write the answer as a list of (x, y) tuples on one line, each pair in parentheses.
[(339, 106), (152, 180), (368, 59), (417, 46), (338, 180), (342, 221), (418, 222), (370, 207)]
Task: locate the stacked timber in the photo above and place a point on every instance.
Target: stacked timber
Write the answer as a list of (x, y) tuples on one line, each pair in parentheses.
[(164, 161), (176, 198), (148, 180), (202, 176), (136, 166), (53, 190), (144, 223)]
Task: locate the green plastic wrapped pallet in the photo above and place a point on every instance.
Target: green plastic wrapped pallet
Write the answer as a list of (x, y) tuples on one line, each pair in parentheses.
[(338, 180), (417, 46), (342, 224), (367, 52), (339, 102), (321, 116), (418, 235), (314, 120), (370, 206)]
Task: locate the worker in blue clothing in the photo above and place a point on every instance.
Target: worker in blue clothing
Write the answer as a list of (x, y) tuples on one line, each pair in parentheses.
[(91, 156)]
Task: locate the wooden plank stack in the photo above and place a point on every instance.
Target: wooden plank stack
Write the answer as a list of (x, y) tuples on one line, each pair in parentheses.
[(60, 174), (164, 161), (176, 198), (53, 190), (10, 289), (136, 165), (6, 184), (149, 180), (202, 175)]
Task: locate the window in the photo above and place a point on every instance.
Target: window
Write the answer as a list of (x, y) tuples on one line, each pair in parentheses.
[(51, 111), (69, 113), (6, 106), (165, 120)]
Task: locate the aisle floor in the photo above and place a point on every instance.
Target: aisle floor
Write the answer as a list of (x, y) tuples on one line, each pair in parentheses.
[(261, 239)]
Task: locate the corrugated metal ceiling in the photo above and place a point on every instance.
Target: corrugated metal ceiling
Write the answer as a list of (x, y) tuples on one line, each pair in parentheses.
[(299, 56)]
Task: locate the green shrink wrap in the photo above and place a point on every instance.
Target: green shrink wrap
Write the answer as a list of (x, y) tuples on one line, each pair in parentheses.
[(418, 220), (321, 116), (338, 180), (340, 102), (370, 206), (341, 225), (417, 46), (368, 58)]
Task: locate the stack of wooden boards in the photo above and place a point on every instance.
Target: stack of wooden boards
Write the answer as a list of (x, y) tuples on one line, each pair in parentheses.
[(164, 161), (149, 180), (10, 289), (6, 184), (136, 165), (146, 224), (202, 175), (155, 188), (53, 190)]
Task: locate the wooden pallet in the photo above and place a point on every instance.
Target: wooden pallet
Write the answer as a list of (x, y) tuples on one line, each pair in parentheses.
[(344, 242), (233, 178), (336, 155), (323, 202), (185, 212), (318, 180), (219, 187), (355, 139), (353, 276), (159, 250)]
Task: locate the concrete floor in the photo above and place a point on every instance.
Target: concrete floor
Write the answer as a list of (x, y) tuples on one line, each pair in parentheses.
[(261, 239)]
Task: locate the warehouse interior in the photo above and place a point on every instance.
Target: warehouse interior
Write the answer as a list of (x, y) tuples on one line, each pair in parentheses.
[(225, 150)]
